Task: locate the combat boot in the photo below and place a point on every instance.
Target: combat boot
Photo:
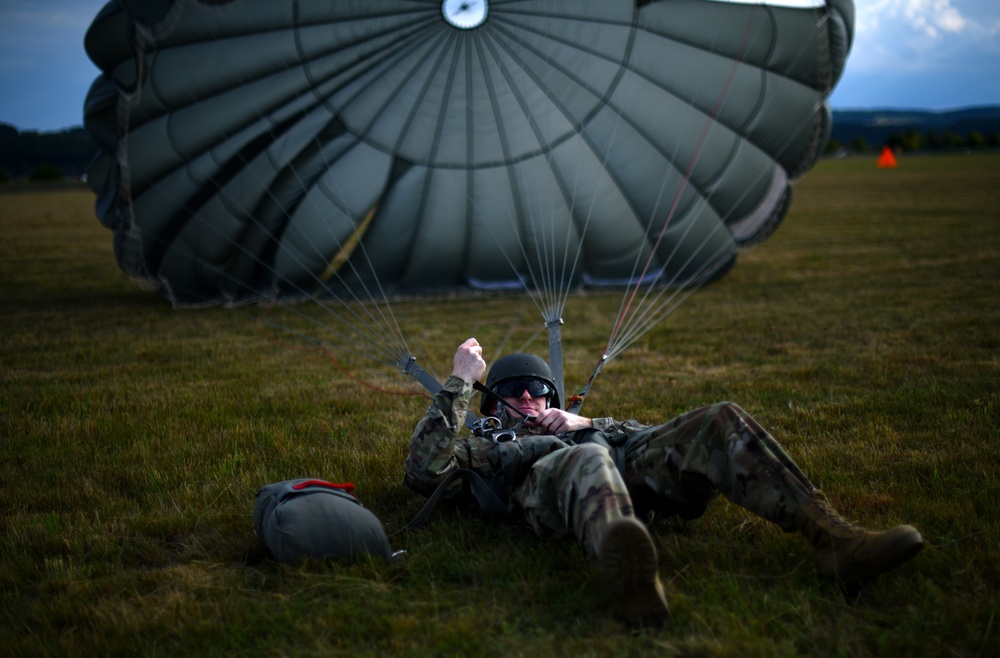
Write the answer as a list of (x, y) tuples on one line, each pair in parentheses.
[(849, 555), (628, 559)]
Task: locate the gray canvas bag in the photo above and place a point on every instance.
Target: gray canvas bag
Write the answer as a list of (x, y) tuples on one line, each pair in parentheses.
[(310, 518)]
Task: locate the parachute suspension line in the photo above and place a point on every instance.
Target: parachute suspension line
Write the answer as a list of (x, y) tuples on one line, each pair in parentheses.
[(793, 129), (376, 323), (710, 120), (405, 359), (380, 330), (537, 269), (370, 327), (181, 203), (639, 321), (531, 339), (559, 293), (543, 233), (656, 312), (262, 263), (555, 282), (376, 345), (565, 277), (515, 224), (541, 274), (410, 366), (383, 332), (553, 322), (550, 313), (503, 344), (613, 346)]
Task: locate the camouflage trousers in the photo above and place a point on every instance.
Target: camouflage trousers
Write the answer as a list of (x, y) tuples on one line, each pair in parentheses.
[(676, 468)]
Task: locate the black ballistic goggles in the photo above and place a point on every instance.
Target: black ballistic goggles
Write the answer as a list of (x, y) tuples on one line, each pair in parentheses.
[(513, 388)]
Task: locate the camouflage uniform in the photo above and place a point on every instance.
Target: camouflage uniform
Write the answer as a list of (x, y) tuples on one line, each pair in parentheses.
[(571, 484)]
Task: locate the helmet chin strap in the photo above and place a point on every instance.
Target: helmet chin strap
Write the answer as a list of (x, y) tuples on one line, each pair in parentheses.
[(505, 405)]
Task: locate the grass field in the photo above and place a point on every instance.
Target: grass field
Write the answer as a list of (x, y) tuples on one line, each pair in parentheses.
[(865, 334)]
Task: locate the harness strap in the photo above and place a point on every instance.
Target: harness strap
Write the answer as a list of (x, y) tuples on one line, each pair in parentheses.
[(490, 503)]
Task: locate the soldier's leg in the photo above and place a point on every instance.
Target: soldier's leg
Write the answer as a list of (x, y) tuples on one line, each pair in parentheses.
[(684, 464), (578, 490), (721, 449), (575, 491)]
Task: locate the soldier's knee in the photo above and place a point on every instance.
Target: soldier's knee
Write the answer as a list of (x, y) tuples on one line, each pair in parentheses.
[(594, 463), (727, 415), (591, 453), (727, 410), (590, 450)]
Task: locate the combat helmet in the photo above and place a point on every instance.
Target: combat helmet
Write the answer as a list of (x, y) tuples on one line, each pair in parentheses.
[(519, 366)]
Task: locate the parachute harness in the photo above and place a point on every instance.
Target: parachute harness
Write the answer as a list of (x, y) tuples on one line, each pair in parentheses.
[(492, 428)]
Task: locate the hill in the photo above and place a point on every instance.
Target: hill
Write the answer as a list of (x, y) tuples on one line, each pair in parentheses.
[(878, 127)]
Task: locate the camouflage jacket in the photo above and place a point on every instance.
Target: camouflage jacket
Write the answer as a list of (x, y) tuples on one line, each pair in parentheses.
[(441, 444)]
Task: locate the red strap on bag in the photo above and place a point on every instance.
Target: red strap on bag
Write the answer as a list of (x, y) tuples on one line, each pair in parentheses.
[(345, 486)]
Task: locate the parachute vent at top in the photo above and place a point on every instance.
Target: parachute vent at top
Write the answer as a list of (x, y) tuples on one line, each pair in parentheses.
[(253, 149)]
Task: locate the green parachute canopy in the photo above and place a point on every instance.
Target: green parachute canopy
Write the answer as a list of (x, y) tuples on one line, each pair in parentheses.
[(255, 149)]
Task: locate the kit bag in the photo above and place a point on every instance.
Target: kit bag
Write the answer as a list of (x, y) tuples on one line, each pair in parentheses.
[(308, 518)]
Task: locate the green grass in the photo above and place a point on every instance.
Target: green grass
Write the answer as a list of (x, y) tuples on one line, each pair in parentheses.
[(865, 334)]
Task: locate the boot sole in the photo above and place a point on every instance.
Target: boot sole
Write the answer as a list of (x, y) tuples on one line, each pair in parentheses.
[(628, 560)]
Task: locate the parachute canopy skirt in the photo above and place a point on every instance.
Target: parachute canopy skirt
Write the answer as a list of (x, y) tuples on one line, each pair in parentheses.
[(256, 149)]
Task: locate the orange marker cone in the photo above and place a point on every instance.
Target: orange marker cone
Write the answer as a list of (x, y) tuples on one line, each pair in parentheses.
[(887, 159)]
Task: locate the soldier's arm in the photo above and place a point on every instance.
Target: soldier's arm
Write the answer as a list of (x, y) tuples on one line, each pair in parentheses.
[(556, 421), (612, 426), (440, 444)]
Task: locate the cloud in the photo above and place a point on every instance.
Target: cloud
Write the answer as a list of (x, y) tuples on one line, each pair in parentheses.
[(933, 19), (914, 35), (930, 54)]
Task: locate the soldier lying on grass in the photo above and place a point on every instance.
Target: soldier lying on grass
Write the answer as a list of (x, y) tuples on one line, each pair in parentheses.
[(567, 474)]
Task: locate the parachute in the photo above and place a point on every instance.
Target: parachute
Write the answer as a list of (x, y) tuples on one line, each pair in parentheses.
[(259, 150)]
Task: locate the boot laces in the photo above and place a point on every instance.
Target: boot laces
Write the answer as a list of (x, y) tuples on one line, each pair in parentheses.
[(836, 521)]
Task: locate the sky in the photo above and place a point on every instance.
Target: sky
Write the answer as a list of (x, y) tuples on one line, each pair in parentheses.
[(907, 54)]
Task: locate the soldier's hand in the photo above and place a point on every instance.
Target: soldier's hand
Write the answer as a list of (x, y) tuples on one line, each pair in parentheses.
[(469, 363), (557, 421)]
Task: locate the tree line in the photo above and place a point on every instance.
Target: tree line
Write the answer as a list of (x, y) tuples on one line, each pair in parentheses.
[(38, 156), (916, 141)]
